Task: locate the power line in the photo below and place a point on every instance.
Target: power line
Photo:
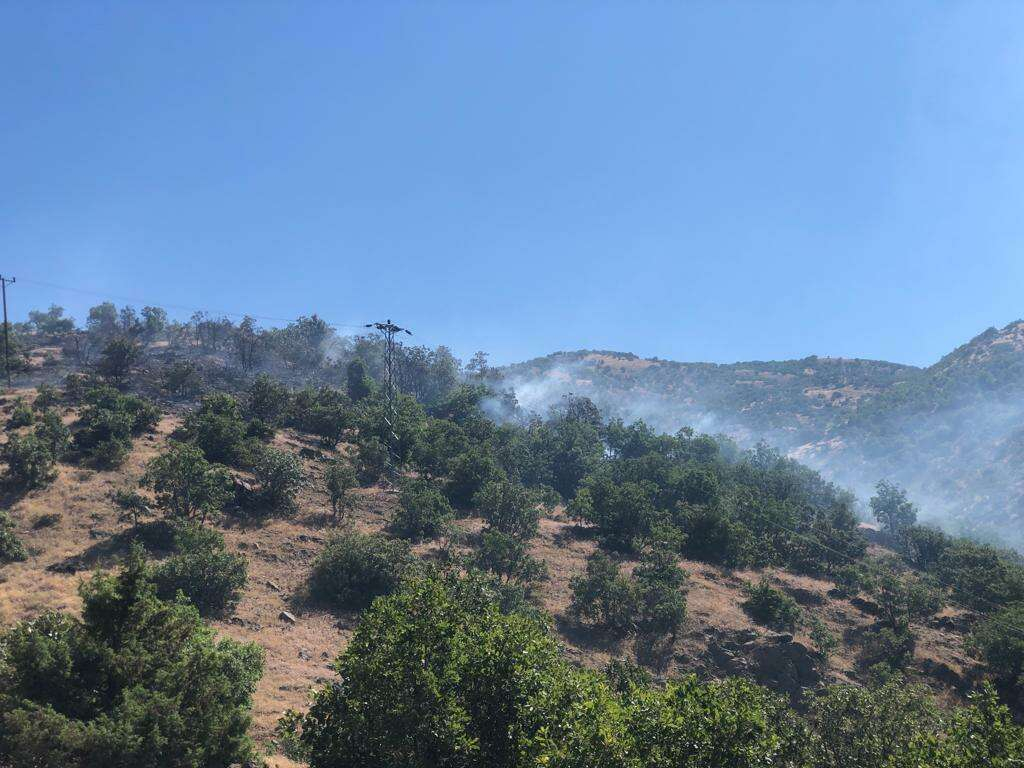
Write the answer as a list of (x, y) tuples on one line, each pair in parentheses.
[(165, 305)]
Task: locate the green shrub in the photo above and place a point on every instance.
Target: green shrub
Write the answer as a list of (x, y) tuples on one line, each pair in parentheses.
[(21, 416), (770, 607), (217, 428), (509, 508), (108, 423), (604, 598), (507, 558), (423, 512), (355, 568), (857, 727), (469, 472), (824, 640), (135, 682), (54, 434), (371, 459), (661, 589), (279, 476), (186, 485), (267, 400), (999, 640), (203, 570), (893, 648), (29, 461), (11, 548), (47, 396), (339, 479), (133, 506)]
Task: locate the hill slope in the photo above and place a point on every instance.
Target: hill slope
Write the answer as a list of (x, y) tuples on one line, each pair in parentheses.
[(953, 432)]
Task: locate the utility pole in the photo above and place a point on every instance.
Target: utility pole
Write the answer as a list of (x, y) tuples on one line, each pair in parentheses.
[(389, 330), (7, 339)]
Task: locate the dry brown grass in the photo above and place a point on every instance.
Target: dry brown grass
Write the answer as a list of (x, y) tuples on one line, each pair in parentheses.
[(280, 553)]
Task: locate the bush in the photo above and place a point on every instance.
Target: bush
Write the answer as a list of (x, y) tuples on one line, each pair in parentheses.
[(507, 558), (11, 548), (604, 597), (770, 607), (21, 416), (118, 358), (999, 640), (133, 506), (47, 396), (339, 479), (509, 508), (372, 459), (859, 727), (423, 512), (109, 422), (891, 648), (469, 472), (186, 485), (279, 475), (135, 682), (824, 640), (435, 677), (29, 461), (54, 434), (624, 513), (355, 568), (661, 588), (182, 379), (267, 400), (217, 428), (203, 570)]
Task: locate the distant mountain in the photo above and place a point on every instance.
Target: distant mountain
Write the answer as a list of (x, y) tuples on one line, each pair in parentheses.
[(953, 432)]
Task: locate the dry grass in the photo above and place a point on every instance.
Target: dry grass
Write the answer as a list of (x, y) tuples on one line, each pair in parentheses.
[(281, 551)]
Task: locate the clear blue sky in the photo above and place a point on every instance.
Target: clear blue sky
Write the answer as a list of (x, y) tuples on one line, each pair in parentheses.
[(696, 181)]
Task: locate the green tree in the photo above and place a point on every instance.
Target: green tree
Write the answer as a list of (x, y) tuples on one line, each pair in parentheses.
[(118, 358), (999, 640), (11, 548), (29, 461), (423, 511), (355, 568), (339, 479), (892, 508), (136, 682), (53, 433), (186, 485), (359, 385), (508, 507), (604, 598), (203, 570), (279, 475), (217, 428)]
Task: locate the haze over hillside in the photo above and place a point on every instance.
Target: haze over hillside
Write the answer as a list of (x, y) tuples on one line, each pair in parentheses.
[(953, 432)]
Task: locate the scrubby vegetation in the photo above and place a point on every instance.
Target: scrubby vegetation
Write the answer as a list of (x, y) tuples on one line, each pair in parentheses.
[(455, 661), (137, 681)]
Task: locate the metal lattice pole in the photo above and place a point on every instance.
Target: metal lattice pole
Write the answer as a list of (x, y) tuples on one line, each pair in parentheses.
[(389, 330)]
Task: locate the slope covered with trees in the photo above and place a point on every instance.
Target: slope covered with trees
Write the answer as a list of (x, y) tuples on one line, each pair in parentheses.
[(497, 587)]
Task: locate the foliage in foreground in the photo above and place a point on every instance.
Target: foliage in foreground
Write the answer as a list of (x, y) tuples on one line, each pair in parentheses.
[(437, 674), (137, 682)]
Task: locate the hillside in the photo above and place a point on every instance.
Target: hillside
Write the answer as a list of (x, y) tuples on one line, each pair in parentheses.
[(951, 432), (718, 639)]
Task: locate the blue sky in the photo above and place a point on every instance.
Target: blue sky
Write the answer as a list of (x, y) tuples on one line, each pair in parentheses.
[(695, 181)]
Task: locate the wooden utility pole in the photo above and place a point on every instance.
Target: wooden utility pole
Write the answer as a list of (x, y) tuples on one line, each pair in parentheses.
[(7, 339)]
